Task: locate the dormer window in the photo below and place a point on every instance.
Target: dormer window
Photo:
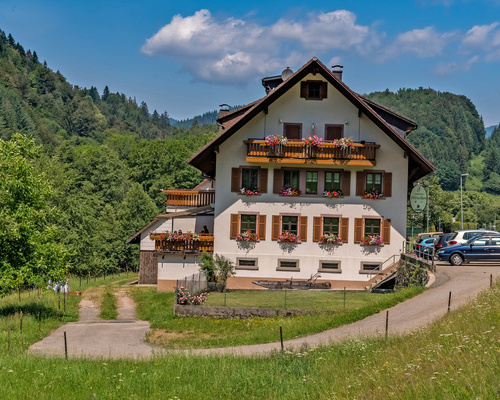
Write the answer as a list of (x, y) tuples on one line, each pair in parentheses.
[(313, 90)]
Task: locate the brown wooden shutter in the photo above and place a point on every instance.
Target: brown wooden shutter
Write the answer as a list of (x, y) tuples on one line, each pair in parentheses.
[(276, 228), (303, 89), (262, 227), (386, 231), (323, 90), (235, 179), (292, 131), (278, 180), (263, 180), (345, 183), (344, 229), (387, 188), (316, 228), (358, 230), (333, 132), (360, 183), (303, 229), (235, 228)]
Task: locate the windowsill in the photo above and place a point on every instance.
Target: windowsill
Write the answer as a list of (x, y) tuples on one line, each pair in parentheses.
[(378, 198), (247, 241), (248, 195), (369, 272), (288, 242), (248, 268), (288, 269), (330, 271), (371, 245)]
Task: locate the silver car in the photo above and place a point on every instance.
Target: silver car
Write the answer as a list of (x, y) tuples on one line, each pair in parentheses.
[(464, 236)]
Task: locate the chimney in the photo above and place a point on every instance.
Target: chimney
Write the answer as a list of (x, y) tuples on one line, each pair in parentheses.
[(224, 110), (337, 71)]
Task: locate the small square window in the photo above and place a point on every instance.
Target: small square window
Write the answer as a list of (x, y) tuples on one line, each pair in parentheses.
[(288, 265), (329, 266), (370, 268), (247, 263)]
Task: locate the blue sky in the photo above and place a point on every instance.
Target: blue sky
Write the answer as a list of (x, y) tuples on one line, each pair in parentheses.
[(187, 57)]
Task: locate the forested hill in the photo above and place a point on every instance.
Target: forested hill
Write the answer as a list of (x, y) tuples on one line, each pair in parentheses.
[(450, 131)]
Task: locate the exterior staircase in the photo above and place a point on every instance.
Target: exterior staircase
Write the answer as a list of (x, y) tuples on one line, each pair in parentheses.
[(386, 273)]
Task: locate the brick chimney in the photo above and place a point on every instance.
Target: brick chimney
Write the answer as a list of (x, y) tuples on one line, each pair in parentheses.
[(337, 72), (224, 110)]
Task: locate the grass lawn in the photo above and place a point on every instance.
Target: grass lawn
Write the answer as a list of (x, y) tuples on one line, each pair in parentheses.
[(455, 358), (175, 332)]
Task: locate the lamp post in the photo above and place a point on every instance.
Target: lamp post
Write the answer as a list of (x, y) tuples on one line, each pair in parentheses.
[(428, 205), (461, 201)]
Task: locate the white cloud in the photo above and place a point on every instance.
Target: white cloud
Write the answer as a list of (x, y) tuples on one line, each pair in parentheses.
[(448, 68), (485, 39)]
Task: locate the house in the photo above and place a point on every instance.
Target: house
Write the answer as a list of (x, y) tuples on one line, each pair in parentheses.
[(312, 178)]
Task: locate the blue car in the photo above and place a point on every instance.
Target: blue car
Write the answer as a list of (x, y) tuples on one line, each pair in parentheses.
[(481, 248)]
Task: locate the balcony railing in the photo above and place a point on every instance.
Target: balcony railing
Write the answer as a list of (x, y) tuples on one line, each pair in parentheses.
[(189, 198), (298, 152), (204, 243)]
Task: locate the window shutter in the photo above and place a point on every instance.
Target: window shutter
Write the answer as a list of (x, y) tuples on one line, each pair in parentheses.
[(303, 89), (360, 183), (235, 222), (344, 229), (358, 229), (303, 229), (387, 189), (386, 231), (276, 229), (263, 180), (334, 132), (316, 228), (345, 183), (262, 227), (322, 90), (235, 179), (278, 181)]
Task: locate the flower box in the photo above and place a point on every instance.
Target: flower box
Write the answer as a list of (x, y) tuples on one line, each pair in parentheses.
[(249, 192), (312, 141), (334, 194), (330, 239), (374, 194), (372, 240), (247, 236), (275, 140), (173, 236), (345, 143), (288, 237), (284, 191)]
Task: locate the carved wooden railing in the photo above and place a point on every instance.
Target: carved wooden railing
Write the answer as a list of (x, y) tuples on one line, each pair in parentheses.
[(189, 198), (204, 243), (299, 150)]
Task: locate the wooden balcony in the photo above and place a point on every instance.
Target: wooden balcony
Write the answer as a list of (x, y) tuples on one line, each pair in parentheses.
[(189, 198), (296, 152), (205, 243)]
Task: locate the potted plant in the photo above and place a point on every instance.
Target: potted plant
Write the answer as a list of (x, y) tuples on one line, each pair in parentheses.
[(313, 141), (333, 194), (374, 194), (249, 192), (275, 140), (248, 236), (284, 191), (372, 240), (288, 237), (330, 238)]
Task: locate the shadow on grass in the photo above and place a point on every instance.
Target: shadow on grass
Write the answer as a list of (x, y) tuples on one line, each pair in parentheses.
[(33, 309)]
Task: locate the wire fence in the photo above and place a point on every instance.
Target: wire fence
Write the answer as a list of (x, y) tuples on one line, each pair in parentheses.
[(195, 283)]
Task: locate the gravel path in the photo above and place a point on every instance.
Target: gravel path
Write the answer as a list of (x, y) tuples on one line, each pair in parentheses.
[(124, 338)]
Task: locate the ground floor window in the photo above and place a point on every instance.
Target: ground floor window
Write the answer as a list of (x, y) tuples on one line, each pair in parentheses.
[(247, 263), (329, 266), (370, 267), (288, 265)]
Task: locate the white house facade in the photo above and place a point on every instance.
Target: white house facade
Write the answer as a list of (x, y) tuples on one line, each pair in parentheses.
[(326, 192)]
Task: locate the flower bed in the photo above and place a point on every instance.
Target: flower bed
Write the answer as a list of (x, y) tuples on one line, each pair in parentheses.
[(374, 194), (333, 194), (173, 236), (312, 141), (372, 240), (186, 298), (275, 140), (248, 236), (330, 238), (288, 237), (249, 192), (284, 191)]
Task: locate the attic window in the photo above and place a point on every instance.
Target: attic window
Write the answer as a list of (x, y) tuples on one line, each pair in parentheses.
[(313, 90)]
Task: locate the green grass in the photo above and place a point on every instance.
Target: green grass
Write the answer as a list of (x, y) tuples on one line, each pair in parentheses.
[(455, 358), (175, 332), (108, 304)]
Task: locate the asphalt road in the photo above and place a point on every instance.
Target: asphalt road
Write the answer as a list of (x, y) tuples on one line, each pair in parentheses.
[(124, 338)]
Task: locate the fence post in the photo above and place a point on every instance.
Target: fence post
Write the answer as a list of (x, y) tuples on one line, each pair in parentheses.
[(65, 346), (344, 298), (281, 338), (386, 323), (21, 326), (449, 302)]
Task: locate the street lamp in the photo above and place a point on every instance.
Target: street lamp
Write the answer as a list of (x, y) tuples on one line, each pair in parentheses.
[(428, 205), (461, 201)]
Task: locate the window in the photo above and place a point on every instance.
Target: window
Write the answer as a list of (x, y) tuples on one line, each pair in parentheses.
[(372, 226), (373, 182), (369, 268), (481, 242), (247, 263), (312, 182), (250, 178), (329, 266), (332, 181), (289, 224), (333, 132), (291, 179), (292, 131), (313, 90), (330, 226), (288, 265), (495, 241), (248, 223)]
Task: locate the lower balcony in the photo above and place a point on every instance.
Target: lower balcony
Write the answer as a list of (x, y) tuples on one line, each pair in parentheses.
[(297, 152), (205, 242), (189, 198)]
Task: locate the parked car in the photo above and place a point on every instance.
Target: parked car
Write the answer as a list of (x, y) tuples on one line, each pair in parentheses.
[(480, 248), (425, 235), (463, 236), (425, 246), (443, 239)]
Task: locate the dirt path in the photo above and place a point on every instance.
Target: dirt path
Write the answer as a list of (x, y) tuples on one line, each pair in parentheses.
[(124, 338)]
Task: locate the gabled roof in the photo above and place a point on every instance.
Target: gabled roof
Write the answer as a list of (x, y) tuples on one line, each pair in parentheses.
[(394, 125)]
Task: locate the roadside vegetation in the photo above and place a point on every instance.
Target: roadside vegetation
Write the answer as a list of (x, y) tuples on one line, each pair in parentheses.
[(455, 358), (170, 331)]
